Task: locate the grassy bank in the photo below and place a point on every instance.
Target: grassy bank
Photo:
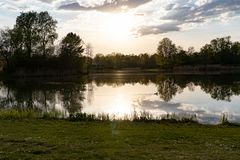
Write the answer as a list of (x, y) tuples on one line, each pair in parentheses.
[(61, 139)]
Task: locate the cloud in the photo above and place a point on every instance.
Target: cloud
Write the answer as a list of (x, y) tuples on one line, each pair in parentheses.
[(179, 14), (106, 6), (47, 1), (158, 29), (204, 115), (203, 12), (25, 5), (169, 6)]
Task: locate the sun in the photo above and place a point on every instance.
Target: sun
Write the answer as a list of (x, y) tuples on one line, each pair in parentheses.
[(119, 26)]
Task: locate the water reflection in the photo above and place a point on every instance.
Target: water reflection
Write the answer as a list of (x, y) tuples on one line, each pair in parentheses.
[(207, 96), (43, 96)]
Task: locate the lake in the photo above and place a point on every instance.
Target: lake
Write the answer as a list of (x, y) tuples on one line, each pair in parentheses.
[(206, 96)]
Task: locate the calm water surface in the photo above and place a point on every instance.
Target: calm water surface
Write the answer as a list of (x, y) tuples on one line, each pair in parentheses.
[(206, 96)]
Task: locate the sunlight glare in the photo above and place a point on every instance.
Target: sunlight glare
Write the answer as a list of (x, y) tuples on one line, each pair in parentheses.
[(122, 106), (119, 26)]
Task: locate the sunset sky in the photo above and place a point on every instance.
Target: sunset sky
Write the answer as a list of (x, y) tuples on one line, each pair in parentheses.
[(135, 26)]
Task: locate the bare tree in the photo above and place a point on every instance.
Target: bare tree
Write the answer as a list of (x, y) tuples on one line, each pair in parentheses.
[(89, 55)]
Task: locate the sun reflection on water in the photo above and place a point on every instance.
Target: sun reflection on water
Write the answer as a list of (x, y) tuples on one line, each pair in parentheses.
[(121, 105)]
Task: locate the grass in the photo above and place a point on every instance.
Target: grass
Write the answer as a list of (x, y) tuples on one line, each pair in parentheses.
[(29, 114), (13, 114), (61, 139), (34, 135)]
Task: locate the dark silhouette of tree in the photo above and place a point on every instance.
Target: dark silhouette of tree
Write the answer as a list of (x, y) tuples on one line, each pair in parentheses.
[(218, 51), (71, 46), (167, 88), (166, 47), (26, 23), (38, 32), (46, 26), (6, 47), (191, 50), (166, 50)]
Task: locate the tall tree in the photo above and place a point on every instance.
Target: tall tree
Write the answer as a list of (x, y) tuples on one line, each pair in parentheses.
[(6, 45), (89, 54), (191, 50), (166, 48), (71, 46), (27, 24), (47, 33), (38, 32), (218, 51), (166, 51)]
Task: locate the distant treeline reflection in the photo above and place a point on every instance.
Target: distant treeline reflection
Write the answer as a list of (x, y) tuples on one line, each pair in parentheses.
[(218, 86), (69, 96)]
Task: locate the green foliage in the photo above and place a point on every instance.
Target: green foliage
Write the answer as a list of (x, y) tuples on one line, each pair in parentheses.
[(46, 33), (6, 48), (27, 25), (71, 46), (37, 33), (166, 48), (29, 47), (220, 51), (136, 117), (29, 114), (120, 61), (57, 139)]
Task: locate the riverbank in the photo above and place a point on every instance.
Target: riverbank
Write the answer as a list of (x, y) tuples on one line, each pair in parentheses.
[(70, 74), (61, 139), (195, 69)]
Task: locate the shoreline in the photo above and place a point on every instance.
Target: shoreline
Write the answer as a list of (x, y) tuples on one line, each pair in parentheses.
[(184, 70)]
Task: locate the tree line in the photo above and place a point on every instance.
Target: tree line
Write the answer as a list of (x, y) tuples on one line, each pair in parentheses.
[(220, 51), (29, 46), (119, 61)]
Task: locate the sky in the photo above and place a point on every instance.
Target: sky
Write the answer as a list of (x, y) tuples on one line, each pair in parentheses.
[(134, 26)]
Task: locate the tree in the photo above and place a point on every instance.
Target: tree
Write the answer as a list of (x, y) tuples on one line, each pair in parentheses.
[(166, 48), (191, 50), (47, 33), (6, 47), (71, 46), (218, 51), (38, 32), (236, 48), (207, 55), (220, 45), (27, 24), (89, 54), (166, 51), (89, 50)]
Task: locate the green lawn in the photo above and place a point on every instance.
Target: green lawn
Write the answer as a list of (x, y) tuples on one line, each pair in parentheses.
[(62, 139)]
